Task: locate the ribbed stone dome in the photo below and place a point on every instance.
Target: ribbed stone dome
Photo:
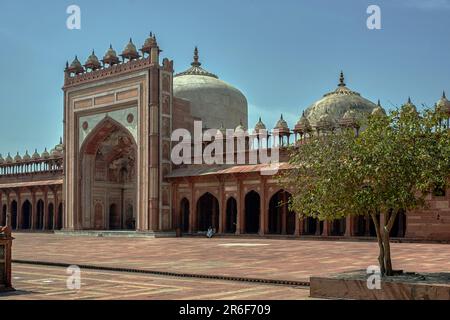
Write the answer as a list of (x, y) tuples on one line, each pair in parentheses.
[(335, 104), (212, 100)]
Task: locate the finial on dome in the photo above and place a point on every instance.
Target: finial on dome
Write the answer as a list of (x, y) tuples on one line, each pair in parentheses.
[(60, 140), (443, 95), (342, 80), (196, 62), (409, 100)]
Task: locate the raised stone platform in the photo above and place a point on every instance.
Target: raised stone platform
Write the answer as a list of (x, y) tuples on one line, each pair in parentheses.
[(126, 234), (408, 286)]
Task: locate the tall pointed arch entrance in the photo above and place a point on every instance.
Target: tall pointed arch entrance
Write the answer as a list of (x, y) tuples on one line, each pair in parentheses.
[(108, 183)]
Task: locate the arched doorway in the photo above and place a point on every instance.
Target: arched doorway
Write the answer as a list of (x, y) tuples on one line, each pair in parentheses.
[(114, 217), (39, 215), (108, 166), (399, 228), (130, 222), (4, 210), (26, 215), (309, 226), (14, 215), (184, 205), (281, 219), (252, 212), (51, 216), (360, 225), (59, 225), (231, 219), (98, 217), (338, 227), (207, 212)]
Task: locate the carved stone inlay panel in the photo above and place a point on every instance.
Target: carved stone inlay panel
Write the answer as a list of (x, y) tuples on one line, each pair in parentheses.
[(88, 123)]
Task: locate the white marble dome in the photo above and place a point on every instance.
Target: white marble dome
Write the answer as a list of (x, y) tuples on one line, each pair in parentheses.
[(214, 101), (336, 103)]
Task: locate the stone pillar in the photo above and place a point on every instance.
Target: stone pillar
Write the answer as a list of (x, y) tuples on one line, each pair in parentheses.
[(33, 222), (45, 213), (263, 209), (222, 208), (2, 223), (240, 221), (19, 211), (284, 213), (318, 227), (326, 229), (368, 218), (56, 210), (192, 207), (8, 211), (349, 226)]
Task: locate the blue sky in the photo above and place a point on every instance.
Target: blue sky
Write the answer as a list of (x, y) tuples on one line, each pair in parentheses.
[(283, 55)]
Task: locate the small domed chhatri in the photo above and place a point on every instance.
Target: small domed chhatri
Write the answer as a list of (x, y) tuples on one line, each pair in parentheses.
[(337, 103), (212, 100), (92, 62), (36, 155), (26, 156), (17, 158), (149, 44), (325, 123), (240, 129), (9, 159), (379, 110), (260, 126), (282, 124), (130, 52), (443, 105), (110, 57), (75, 67), (350, 119), (303, 126), (45, 154), (409, 107)]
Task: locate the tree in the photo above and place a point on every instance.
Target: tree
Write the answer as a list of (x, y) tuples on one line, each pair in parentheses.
[(391, 166)]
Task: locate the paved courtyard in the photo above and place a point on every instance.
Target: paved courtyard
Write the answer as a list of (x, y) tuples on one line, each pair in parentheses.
[(295, 260)]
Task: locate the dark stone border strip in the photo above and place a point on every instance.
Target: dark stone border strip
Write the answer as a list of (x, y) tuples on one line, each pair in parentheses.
[(289, 283)]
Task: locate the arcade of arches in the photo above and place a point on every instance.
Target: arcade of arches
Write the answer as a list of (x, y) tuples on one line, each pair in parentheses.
[(262, 212), (32, 210)]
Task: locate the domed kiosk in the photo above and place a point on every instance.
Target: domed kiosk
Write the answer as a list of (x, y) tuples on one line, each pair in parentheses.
[(334, 106), (212, 100)]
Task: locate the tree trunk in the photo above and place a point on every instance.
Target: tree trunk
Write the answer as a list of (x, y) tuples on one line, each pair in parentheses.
[(389, 222), (380, 242)]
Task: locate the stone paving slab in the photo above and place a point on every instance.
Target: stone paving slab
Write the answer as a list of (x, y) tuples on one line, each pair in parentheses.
[(49, 283), (295, 260)]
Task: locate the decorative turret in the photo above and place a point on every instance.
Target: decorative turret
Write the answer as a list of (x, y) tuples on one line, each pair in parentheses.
[(240, 129), (303, 126), (17, 158), (2, 161), (92, 62), (130, 52), (75, 67), (260, 126), (222, 131), (409, 107), (26, 156), (36, 155), (9, 159), (45, 154), (149, 44), (378, 111), (443, 105), (110, 57)]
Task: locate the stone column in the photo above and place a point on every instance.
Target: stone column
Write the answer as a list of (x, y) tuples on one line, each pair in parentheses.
[(368, 219), (2, 223), (19, 211), (33, 222), (349, 226), (222, 208), (263, 209), (284, 213), (326, 229), (8, 211), (318, 227), (240, 209), (192, 208), (45, 213)]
